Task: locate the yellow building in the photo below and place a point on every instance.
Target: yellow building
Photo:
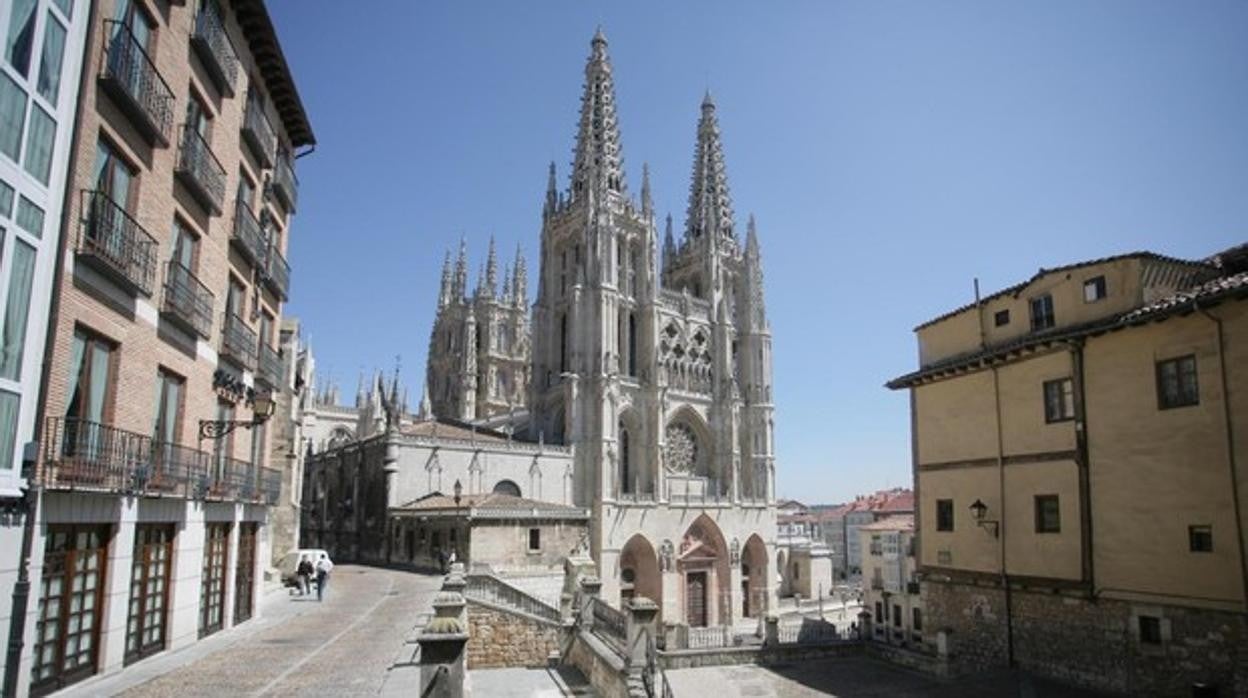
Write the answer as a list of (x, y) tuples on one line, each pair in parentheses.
[(1079, 444)]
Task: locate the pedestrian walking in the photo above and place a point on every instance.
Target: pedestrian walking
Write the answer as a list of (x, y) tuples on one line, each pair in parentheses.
[(323, 568), (304, 572), (441, 561)]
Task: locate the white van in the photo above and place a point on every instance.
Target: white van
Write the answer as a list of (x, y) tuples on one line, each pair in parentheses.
[(290, 564)]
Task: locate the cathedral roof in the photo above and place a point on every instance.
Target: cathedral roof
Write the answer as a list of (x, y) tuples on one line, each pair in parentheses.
[(490, 505), (440, 428)]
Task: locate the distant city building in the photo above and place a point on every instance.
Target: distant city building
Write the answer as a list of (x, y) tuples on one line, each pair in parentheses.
[(890, 586), (1079, 460), (868, 509)]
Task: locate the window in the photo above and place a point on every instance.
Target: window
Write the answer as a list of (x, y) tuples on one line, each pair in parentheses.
[(1094, 289), (90, 366), (1177, 384), (39, 142), (896, 615), (1002, 318), (916, 623), (223, 448), (879, 611), (113, 176), (198, 118), (1200, 539), (10, 403), (535, 539), (49, 84), (185, 246), (246, 190), (1059, 400), (1042, 313), (17, 308), (235, 298), (12, 116), (1150, 630), (29, 217), (21, 38), (1048, 514), (944, 514), (169, 390), (6, 199)]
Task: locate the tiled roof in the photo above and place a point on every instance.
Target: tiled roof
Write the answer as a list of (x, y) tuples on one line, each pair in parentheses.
[(897, 499), (904, 501), (900, 522), (1234, 285), (1066, 267), (492, 502)]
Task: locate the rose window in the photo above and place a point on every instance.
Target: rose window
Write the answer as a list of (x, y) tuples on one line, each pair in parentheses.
[(681, 452)]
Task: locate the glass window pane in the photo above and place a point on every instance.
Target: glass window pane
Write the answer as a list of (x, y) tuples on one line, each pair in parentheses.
[(12, 116), (17, 308), (6, 199), (9, 405), (39, 142), (21, 35), (50, 62), (30, 217), (67, 6)]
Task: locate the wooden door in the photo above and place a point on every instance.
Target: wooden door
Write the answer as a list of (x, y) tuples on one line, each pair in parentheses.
[(212, 579), (149, 590), (695, 599), (71, 594), (245, 573)]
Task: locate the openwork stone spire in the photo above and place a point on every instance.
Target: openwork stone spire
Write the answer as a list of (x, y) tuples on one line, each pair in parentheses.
[(756, 314), (710, 206), (519, 286), (599, 161), (491, 271), (444, 294), (461, 272)]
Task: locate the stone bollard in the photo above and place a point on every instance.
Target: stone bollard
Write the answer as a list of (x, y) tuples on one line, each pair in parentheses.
[(640, 628), (457, 583), (771, 633), (442, 644), (591, 587), (575, 567)]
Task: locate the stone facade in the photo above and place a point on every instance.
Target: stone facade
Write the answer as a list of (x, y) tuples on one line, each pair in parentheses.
[(509, 639)]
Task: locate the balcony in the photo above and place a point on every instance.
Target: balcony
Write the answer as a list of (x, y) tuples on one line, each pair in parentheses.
[(239, 480), (201, 172), (238, 342), (912, 588), (214, 48), (285, 184), (248, 235), (277, 273), (114, 244), (270, 371), (188, 303), (258, 133), (128, 75), (83, 455)]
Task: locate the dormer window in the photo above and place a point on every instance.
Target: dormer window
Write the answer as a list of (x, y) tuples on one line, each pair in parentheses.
[(1042, 313), (1094, 289)]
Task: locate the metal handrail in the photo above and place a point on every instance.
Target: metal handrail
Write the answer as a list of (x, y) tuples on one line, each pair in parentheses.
[(250, 234), (256, 125), (287, 184), (126, 61), (211, 31), (83, 454), (277, 270), (270, 369), (110, 235), (238, 341), (187, 298), (197, 161)]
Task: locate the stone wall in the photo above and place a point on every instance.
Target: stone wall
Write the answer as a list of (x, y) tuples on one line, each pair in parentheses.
[(498, 638), (604, 669), (1092, 643)]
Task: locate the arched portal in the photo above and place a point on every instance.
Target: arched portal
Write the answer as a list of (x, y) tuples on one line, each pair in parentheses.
[(705, 575), (639, 571), (754, 578), (507, 487)]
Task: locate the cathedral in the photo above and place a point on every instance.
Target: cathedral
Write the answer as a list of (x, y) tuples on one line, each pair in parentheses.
[(638, 392)]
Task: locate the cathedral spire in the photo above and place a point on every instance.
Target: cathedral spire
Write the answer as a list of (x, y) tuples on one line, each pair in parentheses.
[(755, 310), (491, 271), (710, 207), (505, 296), (552, 192), (461, 271), (599, 161), (647, 204), (669, 244), (444, 295), (519, 286)]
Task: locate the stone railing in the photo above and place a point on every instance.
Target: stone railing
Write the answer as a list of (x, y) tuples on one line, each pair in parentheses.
[(608, 623), (809, 631), (709, 637), (490, 445), (489, 589)]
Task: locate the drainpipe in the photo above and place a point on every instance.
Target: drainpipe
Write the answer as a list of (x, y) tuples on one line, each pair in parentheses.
[(1084, 465), (1001, 530), (1230, 447)]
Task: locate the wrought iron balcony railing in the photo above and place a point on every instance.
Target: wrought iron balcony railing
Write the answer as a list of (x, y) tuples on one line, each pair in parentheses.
[(131, 79), (258, 132), (113, 243), (238, 342), (277, 273), (285, 184), (270, 370), (215, 50), (188, 302), (270, 485), (248, 236), (200, 171), (82, 454)]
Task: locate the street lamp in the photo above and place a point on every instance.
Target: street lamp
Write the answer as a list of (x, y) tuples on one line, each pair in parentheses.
[(263, 408), (458, 489), (979, 510)]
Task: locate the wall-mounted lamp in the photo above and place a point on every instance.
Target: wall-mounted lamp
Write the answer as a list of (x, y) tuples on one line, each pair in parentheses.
[(459, 491), (980, 511)]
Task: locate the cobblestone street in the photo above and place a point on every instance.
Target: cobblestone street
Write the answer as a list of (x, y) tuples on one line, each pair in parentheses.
[(341, 647)]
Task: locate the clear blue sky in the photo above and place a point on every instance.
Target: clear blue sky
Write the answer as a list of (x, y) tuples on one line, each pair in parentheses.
[(891, 152)]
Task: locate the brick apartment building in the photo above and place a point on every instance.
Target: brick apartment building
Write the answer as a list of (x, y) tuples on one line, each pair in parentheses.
[(170, 281)]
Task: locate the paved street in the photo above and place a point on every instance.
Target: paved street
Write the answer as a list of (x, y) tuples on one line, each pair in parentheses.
[(851, 678), (341, 647)]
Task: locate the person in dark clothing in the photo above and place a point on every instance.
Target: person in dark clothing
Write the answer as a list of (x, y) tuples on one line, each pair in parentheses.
[(304, 572)]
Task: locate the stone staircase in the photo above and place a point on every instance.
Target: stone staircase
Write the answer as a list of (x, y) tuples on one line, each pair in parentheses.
[(545, 586)]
